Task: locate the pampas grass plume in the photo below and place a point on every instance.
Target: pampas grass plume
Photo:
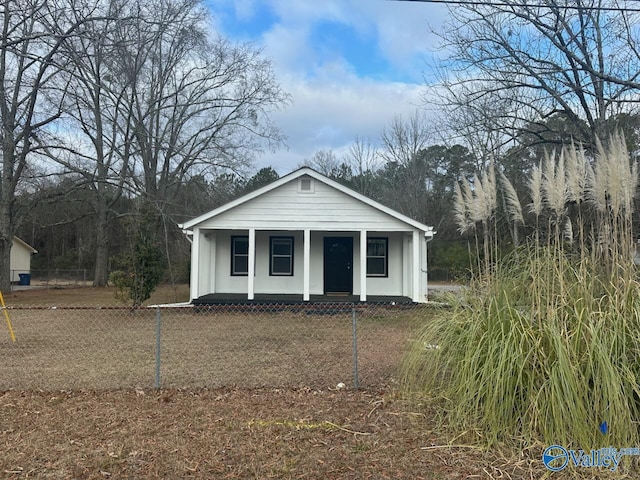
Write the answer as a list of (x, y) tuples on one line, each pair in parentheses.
[(535, 189), (514, 208)]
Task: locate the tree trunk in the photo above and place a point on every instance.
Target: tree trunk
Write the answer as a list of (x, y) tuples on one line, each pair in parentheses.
[(6, 240), (101, 273), (5, 265)]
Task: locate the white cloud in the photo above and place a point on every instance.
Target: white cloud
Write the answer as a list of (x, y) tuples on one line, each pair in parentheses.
[(289, 50), (302, 11), (403, 29), (332, 104), (244, 9), (331, 115)]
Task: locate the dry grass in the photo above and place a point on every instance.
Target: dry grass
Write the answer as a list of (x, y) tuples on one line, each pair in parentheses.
[(70, 422), (89, 296), (250, 346), (232, 434)]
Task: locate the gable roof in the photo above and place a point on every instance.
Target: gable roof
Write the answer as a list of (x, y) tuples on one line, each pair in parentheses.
[(429, 232), (24, 244)]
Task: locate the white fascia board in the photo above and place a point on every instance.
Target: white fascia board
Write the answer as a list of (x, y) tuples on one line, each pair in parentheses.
[(245, 198), (321, 178), (368, 201)]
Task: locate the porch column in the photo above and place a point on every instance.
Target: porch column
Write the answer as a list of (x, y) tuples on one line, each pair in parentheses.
[(415, 261), (195, 260), (212, 262), (363, 265), (424, 267), (306, 264), (251, 270), (406, 265)]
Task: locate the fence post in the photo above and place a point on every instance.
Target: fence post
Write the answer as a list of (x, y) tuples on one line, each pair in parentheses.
[(354, 323), (158, 324)]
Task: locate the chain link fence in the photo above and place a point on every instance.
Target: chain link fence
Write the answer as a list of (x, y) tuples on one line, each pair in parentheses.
[(318, 345), (52, 277)]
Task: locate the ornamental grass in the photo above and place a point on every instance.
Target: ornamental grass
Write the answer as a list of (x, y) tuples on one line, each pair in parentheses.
[(544, 345)]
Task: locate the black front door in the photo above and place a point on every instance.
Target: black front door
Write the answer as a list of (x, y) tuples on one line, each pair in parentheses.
[(338, 262)]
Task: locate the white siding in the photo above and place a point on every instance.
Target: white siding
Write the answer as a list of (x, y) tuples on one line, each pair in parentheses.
[(289, 209), (20, 261), (316, 284), (264, 283), (391, 285), (220, 266), (224, 281), (203, 274)]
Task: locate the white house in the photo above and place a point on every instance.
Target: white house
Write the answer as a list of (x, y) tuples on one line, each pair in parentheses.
[(306, 237), (20, 258)]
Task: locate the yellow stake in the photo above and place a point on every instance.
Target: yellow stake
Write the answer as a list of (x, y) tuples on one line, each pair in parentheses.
[(6, 317)]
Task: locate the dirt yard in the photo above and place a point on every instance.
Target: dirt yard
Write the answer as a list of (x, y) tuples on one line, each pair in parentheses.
[(245, 396), (230, 434), (106, 348)]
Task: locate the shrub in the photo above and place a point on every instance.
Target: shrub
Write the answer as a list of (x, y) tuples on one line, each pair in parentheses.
[(453, 258), (140, 270)]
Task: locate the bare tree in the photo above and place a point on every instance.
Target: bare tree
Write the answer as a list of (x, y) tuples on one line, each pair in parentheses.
[(196, 102), (364, 159), (95, 148), (156, 99), (324, 161), (480, 125), (32, 33), (403, 138), (542, 59), (405, 173)]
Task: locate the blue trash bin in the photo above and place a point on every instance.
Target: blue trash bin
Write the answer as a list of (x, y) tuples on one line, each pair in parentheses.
[(25, 278)]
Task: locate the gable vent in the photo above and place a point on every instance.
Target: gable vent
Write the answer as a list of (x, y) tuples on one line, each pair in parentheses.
[(305, 185)]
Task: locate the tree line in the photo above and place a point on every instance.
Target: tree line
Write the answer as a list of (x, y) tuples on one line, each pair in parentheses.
[(113, 110), (62, 222), (107, 103)]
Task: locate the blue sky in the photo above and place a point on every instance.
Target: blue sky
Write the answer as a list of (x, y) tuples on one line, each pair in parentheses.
[(349, 65)]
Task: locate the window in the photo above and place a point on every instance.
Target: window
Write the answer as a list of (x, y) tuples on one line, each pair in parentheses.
[(377, 257), (240, 255), (281, 256)]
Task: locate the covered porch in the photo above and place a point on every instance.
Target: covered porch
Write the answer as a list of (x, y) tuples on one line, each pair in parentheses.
[(254, 265)]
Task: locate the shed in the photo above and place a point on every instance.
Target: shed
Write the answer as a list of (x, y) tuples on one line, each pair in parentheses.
[(20, 261)]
